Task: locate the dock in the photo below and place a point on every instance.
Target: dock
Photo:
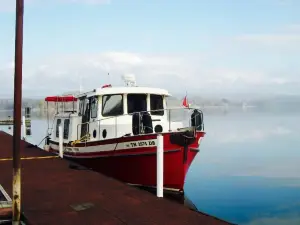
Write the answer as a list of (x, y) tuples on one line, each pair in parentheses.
[(6, 122), (53, 192)]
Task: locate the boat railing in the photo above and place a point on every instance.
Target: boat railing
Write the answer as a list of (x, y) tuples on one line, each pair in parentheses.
[(140, 113)]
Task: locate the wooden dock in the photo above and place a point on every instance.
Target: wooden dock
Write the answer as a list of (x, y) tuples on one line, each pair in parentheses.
[(7, 122), (55, 193)]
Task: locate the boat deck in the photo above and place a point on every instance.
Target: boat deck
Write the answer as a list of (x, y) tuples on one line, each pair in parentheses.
[(54, 193)]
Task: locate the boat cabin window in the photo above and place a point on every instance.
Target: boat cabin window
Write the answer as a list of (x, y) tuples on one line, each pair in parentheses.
[(136, 103), (156, 103), (112, 105), (82, 104), (94, 107), (58, 122), (66, 128)]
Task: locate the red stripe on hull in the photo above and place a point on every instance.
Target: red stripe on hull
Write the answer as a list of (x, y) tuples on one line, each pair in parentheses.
[(138, 166)]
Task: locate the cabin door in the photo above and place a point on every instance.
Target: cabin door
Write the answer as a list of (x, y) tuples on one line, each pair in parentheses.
[(85, 118)]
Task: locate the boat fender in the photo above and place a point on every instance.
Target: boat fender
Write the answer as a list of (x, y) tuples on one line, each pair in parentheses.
[(147, 123), (47, 140), (197, 119), (136, 123), (182, 138)]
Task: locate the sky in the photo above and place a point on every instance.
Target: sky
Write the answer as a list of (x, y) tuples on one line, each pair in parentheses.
[(212, 47)]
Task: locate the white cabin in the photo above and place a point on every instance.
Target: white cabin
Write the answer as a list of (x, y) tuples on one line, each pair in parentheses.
[(106, 113)]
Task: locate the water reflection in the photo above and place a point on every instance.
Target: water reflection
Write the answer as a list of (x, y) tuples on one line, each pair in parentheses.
[(247, 170)]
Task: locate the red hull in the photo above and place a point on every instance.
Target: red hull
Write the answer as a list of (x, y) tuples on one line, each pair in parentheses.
[(138, 165)]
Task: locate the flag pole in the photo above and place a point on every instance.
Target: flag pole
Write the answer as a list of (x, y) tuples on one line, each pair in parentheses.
[(109, 80), (17, 113)]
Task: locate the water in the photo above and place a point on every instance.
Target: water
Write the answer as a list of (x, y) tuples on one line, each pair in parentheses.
[(247, 171)]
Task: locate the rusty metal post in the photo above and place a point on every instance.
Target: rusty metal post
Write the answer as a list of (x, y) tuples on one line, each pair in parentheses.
[(17, 112)]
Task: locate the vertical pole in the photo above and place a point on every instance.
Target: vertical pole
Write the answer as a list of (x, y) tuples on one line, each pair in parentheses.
[(60, 135), (27, 112), (80, 86), (160, 166), (47, 118), (169, 114), (116, 127), (24, 127), (17, 112)]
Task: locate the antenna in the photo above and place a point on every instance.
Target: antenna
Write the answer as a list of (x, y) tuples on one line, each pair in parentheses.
[(108, 78), (80, 86)]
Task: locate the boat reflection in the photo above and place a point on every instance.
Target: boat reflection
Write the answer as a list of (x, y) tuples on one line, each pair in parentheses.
[(175, 196)]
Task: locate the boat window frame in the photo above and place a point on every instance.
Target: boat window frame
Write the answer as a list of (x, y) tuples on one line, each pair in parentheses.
[(102, 106), (66, 128), (81, 105), (57, 127), (146, 100), (158, 112), (94, 99)]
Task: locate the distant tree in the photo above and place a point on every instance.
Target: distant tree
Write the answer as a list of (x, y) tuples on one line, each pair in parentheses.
[(225, 101), (41, 105)]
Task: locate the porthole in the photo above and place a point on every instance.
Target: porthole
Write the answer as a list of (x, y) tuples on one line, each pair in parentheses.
[(104, 133), (94, 133), (158, 129)]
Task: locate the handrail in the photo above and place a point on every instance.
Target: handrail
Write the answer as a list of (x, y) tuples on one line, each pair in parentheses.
[(130, 114)]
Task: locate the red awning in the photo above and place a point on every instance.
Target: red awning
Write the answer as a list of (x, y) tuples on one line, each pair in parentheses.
[(60, 99)]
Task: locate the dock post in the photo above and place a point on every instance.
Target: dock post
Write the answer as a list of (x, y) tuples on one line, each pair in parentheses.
[(24, 127), (28, 118), (60, 135), (160, 166), (16, 184), (27, 112)]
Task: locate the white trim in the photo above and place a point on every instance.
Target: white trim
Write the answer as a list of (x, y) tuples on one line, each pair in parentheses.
[(109, 147), (125, 90)]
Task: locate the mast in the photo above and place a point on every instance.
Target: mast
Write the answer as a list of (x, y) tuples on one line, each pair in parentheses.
[(80, 85), (17, 112)]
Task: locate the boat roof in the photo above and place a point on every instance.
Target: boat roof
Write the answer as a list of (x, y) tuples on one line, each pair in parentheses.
[(108, 90)]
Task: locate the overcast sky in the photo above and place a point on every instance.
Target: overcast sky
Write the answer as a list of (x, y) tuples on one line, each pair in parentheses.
[(203, 47)]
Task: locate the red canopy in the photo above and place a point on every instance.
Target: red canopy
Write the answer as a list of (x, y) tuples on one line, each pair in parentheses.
[(60, 99)]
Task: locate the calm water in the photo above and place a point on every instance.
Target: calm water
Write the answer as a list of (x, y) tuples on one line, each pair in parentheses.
[(248, 169)]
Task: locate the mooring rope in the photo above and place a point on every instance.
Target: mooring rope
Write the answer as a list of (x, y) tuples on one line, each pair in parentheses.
[(29, 158)]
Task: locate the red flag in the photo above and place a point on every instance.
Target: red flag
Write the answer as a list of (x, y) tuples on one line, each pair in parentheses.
[(185, 102)]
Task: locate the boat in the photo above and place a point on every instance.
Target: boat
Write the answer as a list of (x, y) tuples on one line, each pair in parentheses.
[(113, 130)]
